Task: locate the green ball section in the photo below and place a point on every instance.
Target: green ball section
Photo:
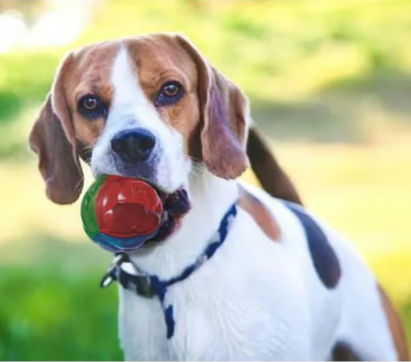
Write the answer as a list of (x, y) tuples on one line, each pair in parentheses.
[(88, 207)]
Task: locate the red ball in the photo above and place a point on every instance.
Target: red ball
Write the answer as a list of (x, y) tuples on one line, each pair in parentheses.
[(127, 207)]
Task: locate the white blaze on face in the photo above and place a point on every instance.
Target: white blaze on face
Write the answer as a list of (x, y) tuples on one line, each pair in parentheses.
[(130, 109)]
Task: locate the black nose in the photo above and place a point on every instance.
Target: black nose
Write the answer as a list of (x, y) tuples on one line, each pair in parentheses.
[(134, 145)]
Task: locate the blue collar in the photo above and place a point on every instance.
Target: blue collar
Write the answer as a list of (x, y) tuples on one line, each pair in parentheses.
[(149, 286)]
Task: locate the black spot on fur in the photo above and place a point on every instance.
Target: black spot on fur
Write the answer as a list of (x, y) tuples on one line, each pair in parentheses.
[(322, 254), (343, 351)]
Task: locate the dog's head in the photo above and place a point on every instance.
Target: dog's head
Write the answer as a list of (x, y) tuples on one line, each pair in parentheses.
[(150, 107)]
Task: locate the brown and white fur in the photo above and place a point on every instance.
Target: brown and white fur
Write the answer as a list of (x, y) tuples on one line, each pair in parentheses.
[(259, 297)]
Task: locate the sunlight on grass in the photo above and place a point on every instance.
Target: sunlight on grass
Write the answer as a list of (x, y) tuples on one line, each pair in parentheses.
[(27, 208)]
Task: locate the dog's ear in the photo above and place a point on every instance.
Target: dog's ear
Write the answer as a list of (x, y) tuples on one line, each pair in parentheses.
[(224, 113), (52, 138)]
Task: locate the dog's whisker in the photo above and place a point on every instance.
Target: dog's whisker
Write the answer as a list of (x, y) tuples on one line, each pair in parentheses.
[(80, 181), (197, 169)]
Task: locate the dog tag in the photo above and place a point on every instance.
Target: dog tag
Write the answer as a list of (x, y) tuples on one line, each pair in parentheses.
[(120, 213)]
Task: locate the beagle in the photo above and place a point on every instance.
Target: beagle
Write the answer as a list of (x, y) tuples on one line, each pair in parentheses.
[(242, 275)]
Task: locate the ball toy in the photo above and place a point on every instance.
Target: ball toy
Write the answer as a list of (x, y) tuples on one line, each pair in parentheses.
[(120, 213)]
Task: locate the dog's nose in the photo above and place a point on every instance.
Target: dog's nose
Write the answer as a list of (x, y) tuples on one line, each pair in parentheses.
[(133, 145)]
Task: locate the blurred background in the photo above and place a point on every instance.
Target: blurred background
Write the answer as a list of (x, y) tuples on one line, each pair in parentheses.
[(329, 82)]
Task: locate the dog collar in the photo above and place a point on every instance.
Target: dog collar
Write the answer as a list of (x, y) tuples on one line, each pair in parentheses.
[(150, 286)]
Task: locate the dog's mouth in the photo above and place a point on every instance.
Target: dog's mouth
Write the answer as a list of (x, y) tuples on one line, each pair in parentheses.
[(123, 214), (175, 206)]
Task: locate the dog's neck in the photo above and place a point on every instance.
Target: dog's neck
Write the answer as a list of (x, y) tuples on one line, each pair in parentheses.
[(210, 198)]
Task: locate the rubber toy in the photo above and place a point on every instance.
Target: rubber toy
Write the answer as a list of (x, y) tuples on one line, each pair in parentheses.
[(120, 214)]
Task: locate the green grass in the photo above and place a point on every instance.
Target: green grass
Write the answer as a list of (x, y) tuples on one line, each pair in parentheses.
[(49, 314), (52, 307), (25, 80)]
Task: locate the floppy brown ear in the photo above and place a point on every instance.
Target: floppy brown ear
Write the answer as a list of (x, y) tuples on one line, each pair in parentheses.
[(52, 139), (224, 112)]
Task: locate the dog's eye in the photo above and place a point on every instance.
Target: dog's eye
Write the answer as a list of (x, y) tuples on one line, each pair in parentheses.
[(170, 93), (171, 89), (92, 107)]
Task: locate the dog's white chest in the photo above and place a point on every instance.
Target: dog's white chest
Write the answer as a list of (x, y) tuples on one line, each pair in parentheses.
[(242, 304)]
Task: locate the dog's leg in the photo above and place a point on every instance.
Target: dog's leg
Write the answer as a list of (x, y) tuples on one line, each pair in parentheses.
[(267, 169)]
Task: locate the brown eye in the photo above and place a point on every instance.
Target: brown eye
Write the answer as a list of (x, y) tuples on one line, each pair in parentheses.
[(170, 93), (171, 89), (90, 103), (92, 107)]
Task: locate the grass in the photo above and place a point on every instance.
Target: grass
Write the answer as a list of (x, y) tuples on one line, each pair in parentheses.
[(70, 318), (329, 83)]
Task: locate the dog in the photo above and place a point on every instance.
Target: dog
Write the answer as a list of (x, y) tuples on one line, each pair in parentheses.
[(242, 275)]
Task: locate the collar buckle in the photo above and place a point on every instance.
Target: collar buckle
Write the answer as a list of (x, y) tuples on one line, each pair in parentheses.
[(112, 272), (119, 270)]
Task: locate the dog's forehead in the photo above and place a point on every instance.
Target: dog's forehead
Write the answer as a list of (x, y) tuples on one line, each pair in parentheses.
[(157, 57), (151, 57), (96, 57), (89, 70)]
